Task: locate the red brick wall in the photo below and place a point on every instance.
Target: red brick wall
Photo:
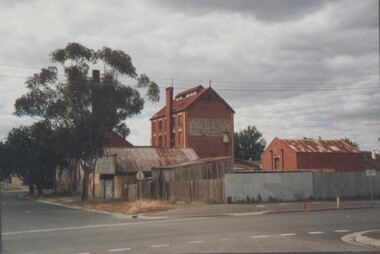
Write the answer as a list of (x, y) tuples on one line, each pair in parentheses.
[(210, 146), (291, 160), (287, 160), (341, 162), (205, 146)]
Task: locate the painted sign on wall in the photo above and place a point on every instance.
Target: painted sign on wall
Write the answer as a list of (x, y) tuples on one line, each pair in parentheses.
[(208, 127)]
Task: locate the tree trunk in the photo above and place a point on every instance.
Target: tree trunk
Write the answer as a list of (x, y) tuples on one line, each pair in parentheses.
[(39, 188), (85, 187), (31, 188)]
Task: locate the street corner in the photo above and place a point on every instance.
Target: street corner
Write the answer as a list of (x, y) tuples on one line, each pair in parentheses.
[(367, 238)]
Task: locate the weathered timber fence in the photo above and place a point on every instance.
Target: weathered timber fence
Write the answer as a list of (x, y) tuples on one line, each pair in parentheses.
[(211, 190)]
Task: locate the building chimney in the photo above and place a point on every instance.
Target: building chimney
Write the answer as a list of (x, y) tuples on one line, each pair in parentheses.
[(168, 113), (96, 76)]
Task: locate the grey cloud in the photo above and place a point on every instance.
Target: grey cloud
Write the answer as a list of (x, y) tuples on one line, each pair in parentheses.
[(264, 10)]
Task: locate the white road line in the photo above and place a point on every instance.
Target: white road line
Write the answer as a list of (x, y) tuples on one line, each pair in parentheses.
[(159, 245), (95, 226), (342, 231), (83, 253), (315, 233), (259, 236), (28, 212), (287, 234), (226, 239), (261, 206), (195, 242), (116, 250)]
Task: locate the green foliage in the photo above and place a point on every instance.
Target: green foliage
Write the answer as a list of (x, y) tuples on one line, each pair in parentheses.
[(4, 160), (31, 154), (82, 109), (249, 143)]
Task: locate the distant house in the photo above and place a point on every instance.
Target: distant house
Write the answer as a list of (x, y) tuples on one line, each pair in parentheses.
[(69, 180), (114, 140), (311, 155), (372, 161), (198, 118)]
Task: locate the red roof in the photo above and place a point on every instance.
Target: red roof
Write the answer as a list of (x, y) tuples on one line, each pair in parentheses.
[(320, 146), (182, 104), (114, 140), (189, 91)]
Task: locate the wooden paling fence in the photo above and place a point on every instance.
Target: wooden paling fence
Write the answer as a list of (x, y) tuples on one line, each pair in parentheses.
[(210, 190)]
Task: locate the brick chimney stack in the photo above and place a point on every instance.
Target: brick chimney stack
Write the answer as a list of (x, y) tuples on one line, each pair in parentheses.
[(168, 113), (96, 76)]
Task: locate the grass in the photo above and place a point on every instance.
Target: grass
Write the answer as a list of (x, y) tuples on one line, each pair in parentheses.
[(123, 207)]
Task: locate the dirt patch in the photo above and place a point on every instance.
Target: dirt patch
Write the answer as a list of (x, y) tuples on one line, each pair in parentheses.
[(9, 187), (124, 207), (143, 207)]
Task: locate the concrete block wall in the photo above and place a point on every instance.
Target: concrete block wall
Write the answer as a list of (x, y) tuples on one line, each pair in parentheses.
[(256, 187), (268, 187)]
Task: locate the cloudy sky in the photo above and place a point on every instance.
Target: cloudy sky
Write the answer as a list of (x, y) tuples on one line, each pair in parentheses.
[(293, 68)]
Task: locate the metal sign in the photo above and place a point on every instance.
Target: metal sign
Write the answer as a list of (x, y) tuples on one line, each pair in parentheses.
[(140, 175), (370, 172)]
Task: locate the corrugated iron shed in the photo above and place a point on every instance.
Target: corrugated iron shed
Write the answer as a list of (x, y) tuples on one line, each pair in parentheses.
[(320, 146), (144, 158)]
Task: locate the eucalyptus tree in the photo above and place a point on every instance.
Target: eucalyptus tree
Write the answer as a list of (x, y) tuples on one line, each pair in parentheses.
[(249, 143), (82, 108)]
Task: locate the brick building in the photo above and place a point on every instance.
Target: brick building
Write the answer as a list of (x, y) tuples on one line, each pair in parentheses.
[(198, 118), (311, 155)]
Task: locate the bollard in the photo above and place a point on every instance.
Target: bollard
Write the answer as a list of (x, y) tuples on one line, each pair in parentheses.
[(305, 209), (337, 202)]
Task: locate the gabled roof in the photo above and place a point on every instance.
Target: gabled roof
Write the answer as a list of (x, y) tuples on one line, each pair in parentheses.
[(189, 97), (144, 158), (319, 146), (114, 140), (189, 91)]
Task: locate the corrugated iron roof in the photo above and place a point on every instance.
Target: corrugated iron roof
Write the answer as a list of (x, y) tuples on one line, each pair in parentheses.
[(320, 146), (144, 158)]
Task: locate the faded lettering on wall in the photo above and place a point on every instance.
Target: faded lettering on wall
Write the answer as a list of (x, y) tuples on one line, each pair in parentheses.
[(208, 127)]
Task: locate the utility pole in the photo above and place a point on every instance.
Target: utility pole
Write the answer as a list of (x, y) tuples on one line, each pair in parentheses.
[(1, 225)]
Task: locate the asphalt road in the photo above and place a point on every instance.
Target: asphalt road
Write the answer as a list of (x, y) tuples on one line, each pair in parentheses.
[(33, 227)]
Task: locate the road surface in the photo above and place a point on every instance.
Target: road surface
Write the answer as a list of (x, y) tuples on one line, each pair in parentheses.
[(33, 227)]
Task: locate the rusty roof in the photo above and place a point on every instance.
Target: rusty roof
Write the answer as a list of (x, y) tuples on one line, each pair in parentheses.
[(144, 158), (181, 104), (320, 146)]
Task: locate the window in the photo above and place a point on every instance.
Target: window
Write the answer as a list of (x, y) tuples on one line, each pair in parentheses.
[(173, 122), (276, 162), (180, 137), (172, 139), (160, 141), (160, 125), (179, 119)]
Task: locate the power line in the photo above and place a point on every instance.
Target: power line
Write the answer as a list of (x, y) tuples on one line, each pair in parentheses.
[(287, 89)]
